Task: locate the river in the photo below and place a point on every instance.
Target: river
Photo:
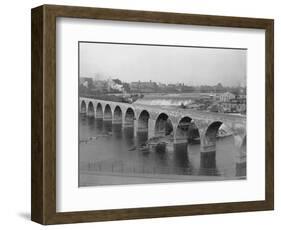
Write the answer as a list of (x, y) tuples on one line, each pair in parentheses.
[(108, 149)]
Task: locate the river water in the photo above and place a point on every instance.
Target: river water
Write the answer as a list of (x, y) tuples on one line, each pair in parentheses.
[(109, 149)]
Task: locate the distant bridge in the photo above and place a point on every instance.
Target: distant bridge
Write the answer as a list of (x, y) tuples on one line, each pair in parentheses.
[(178, 123)]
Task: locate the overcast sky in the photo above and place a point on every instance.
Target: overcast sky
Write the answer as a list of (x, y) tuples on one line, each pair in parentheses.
[(166, 64)]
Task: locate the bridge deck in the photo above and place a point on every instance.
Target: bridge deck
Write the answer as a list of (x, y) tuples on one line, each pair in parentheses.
[(178, 112), (191, 112)]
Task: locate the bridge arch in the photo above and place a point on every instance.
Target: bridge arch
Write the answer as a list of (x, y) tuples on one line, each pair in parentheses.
[(243, 147), (214, 130), (107, 115), (99, 111), (117, 114), (163, 125), (130, 116), (143, 121), (241, 158), (83, 107), (91, 110), (187, 131)]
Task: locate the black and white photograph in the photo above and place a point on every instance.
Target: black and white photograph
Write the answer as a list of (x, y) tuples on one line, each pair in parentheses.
[(151, 113)]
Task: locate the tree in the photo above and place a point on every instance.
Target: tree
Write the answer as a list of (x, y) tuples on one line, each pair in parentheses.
[(117, 81), (219, 87), (126, 87)]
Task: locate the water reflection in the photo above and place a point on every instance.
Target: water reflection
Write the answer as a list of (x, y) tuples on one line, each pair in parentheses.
[(117, 131), (114, 148), (129, 136), (107, 127), (208, 160), (208, 163), (180, 156), (99, 124)]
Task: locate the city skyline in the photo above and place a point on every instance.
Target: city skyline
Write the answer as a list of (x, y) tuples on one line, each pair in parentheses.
[(151, 81), (188, 65)]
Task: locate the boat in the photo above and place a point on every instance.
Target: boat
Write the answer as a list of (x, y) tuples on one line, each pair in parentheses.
[(89, 139), (144, 147), (132, 148), (223, 134), (160, 147), (160, 140), (194, 141)]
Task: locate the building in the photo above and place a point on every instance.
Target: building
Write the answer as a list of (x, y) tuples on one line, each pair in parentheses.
[(145, 87), (161, 85), (225, 97), (134, 86), (236, 105)]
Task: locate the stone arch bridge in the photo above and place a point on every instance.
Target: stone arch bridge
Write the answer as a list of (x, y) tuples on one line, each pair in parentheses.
[(179, 124)]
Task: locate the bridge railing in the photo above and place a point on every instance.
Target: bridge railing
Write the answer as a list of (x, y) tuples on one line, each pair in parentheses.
[(196, 114)]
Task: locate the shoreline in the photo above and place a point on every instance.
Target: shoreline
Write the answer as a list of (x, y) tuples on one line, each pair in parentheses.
[(88, 178)]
